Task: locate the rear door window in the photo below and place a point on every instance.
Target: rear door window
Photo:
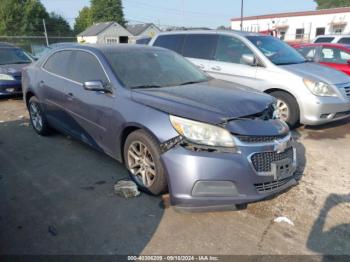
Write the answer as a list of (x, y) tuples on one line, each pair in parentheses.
[(231, 50), (334, 55), (201, 46), (172, 42), (344, 40), (85, 67), (58, 63), (324, 40)]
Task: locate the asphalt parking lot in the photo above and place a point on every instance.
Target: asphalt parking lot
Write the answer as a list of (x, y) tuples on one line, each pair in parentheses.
[(56, 197)]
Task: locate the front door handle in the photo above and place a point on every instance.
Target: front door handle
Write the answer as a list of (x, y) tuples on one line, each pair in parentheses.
[(216, 68), (41, 83), (70, 96)]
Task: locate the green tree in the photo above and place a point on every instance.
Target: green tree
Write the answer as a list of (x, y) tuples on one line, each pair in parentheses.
[(11, 19), (324, 4), (25, 17), (83, 20), (107, 10), (33, 14), (58, 26)]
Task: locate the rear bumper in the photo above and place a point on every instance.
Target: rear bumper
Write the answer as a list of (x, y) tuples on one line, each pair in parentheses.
[(186, 168), (8, 88)]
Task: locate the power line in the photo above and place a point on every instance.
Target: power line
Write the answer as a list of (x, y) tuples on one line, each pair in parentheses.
[(179, 11)]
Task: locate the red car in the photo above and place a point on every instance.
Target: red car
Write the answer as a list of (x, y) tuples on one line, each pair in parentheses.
[(333, 55)]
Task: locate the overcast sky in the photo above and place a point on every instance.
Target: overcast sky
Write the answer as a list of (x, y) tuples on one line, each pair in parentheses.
[(208, 13)]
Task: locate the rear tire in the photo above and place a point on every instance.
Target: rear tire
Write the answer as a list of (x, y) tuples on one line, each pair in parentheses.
[(288, 108), (142, 159), (37, 117)]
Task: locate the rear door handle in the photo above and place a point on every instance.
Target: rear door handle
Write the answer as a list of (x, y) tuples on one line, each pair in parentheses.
[(216, 68), (201, 66)]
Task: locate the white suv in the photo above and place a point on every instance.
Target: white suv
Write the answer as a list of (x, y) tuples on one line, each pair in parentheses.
[(337, 39), (306, 92)]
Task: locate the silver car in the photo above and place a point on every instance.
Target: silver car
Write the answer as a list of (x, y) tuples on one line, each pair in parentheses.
[(307, 93)]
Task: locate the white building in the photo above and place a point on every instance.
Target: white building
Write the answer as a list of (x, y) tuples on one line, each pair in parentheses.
[(114, 33), (298, 26), (142, 30), (105, 33)]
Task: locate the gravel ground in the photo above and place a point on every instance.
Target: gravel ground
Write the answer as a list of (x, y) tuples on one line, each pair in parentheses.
[(56, 197)]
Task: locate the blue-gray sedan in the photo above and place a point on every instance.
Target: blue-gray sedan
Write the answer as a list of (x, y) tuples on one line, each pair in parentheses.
[(12, 61), (209, 142)]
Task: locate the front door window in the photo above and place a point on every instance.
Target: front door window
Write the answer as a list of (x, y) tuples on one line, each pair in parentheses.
[(231, 50)]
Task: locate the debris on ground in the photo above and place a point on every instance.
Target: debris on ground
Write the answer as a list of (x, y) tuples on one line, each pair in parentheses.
[(165, 201), (26, 124), (283, 219), (20, 117), (126, 189)]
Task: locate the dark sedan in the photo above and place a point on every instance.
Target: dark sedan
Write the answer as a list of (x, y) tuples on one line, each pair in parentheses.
[(12, 61), (211, 143)]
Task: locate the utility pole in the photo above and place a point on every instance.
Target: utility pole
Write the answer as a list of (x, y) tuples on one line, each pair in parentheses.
[(183, 11), (45, 33), (242, 3)]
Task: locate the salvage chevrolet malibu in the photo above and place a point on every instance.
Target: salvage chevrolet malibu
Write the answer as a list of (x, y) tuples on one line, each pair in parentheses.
[(209, 142)]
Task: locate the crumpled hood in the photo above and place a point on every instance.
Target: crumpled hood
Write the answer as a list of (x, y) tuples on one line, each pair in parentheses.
[(210, 102), (317, 72), (14, 70)]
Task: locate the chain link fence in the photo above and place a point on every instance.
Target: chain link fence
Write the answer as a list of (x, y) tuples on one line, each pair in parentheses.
[(35, 44)]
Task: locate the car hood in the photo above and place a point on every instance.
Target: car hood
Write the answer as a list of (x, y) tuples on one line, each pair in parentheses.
[(317, 72), (212, 102), (12, 69)]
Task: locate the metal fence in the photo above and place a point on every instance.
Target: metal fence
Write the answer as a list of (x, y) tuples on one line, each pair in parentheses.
[(35, 44)]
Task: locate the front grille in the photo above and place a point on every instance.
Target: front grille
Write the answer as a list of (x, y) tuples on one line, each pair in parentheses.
[(260, 139), (271, 186), (262, 161), (347, 91)]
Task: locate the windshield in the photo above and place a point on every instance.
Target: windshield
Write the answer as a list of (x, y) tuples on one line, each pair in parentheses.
[(152, 68), (13, 56), (277, 51)]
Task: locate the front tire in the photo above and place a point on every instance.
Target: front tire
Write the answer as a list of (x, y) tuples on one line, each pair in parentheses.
[(142, 159), (288, 108), (37, 117)]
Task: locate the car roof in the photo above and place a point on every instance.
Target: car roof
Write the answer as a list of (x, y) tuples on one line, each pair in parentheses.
[(5, 44), (334, 35), (232, 32), (107, 47)]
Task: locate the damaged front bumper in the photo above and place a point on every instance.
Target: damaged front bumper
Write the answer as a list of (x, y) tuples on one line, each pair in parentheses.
[(202, 178)]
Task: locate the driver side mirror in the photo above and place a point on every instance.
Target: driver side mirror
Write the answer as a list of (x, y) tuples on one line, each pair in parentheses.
[(348, 62), (95, 86), (249, 59)]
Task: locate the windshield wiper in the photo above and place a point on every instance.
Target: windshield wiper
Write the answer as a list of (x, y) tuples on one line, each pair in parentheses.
[(20, 62), (145, 86), (192, 82)]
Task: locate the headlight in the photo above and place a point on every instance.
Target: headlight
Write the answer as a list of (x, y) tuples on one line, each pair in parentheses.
[(319, 88), (6, 77), (201, 133)]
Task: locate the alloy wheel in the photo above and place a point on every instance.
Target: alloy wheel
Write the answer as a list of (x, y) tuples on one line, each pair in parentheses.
[(282, 110), (36, 116), (141, 163)]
